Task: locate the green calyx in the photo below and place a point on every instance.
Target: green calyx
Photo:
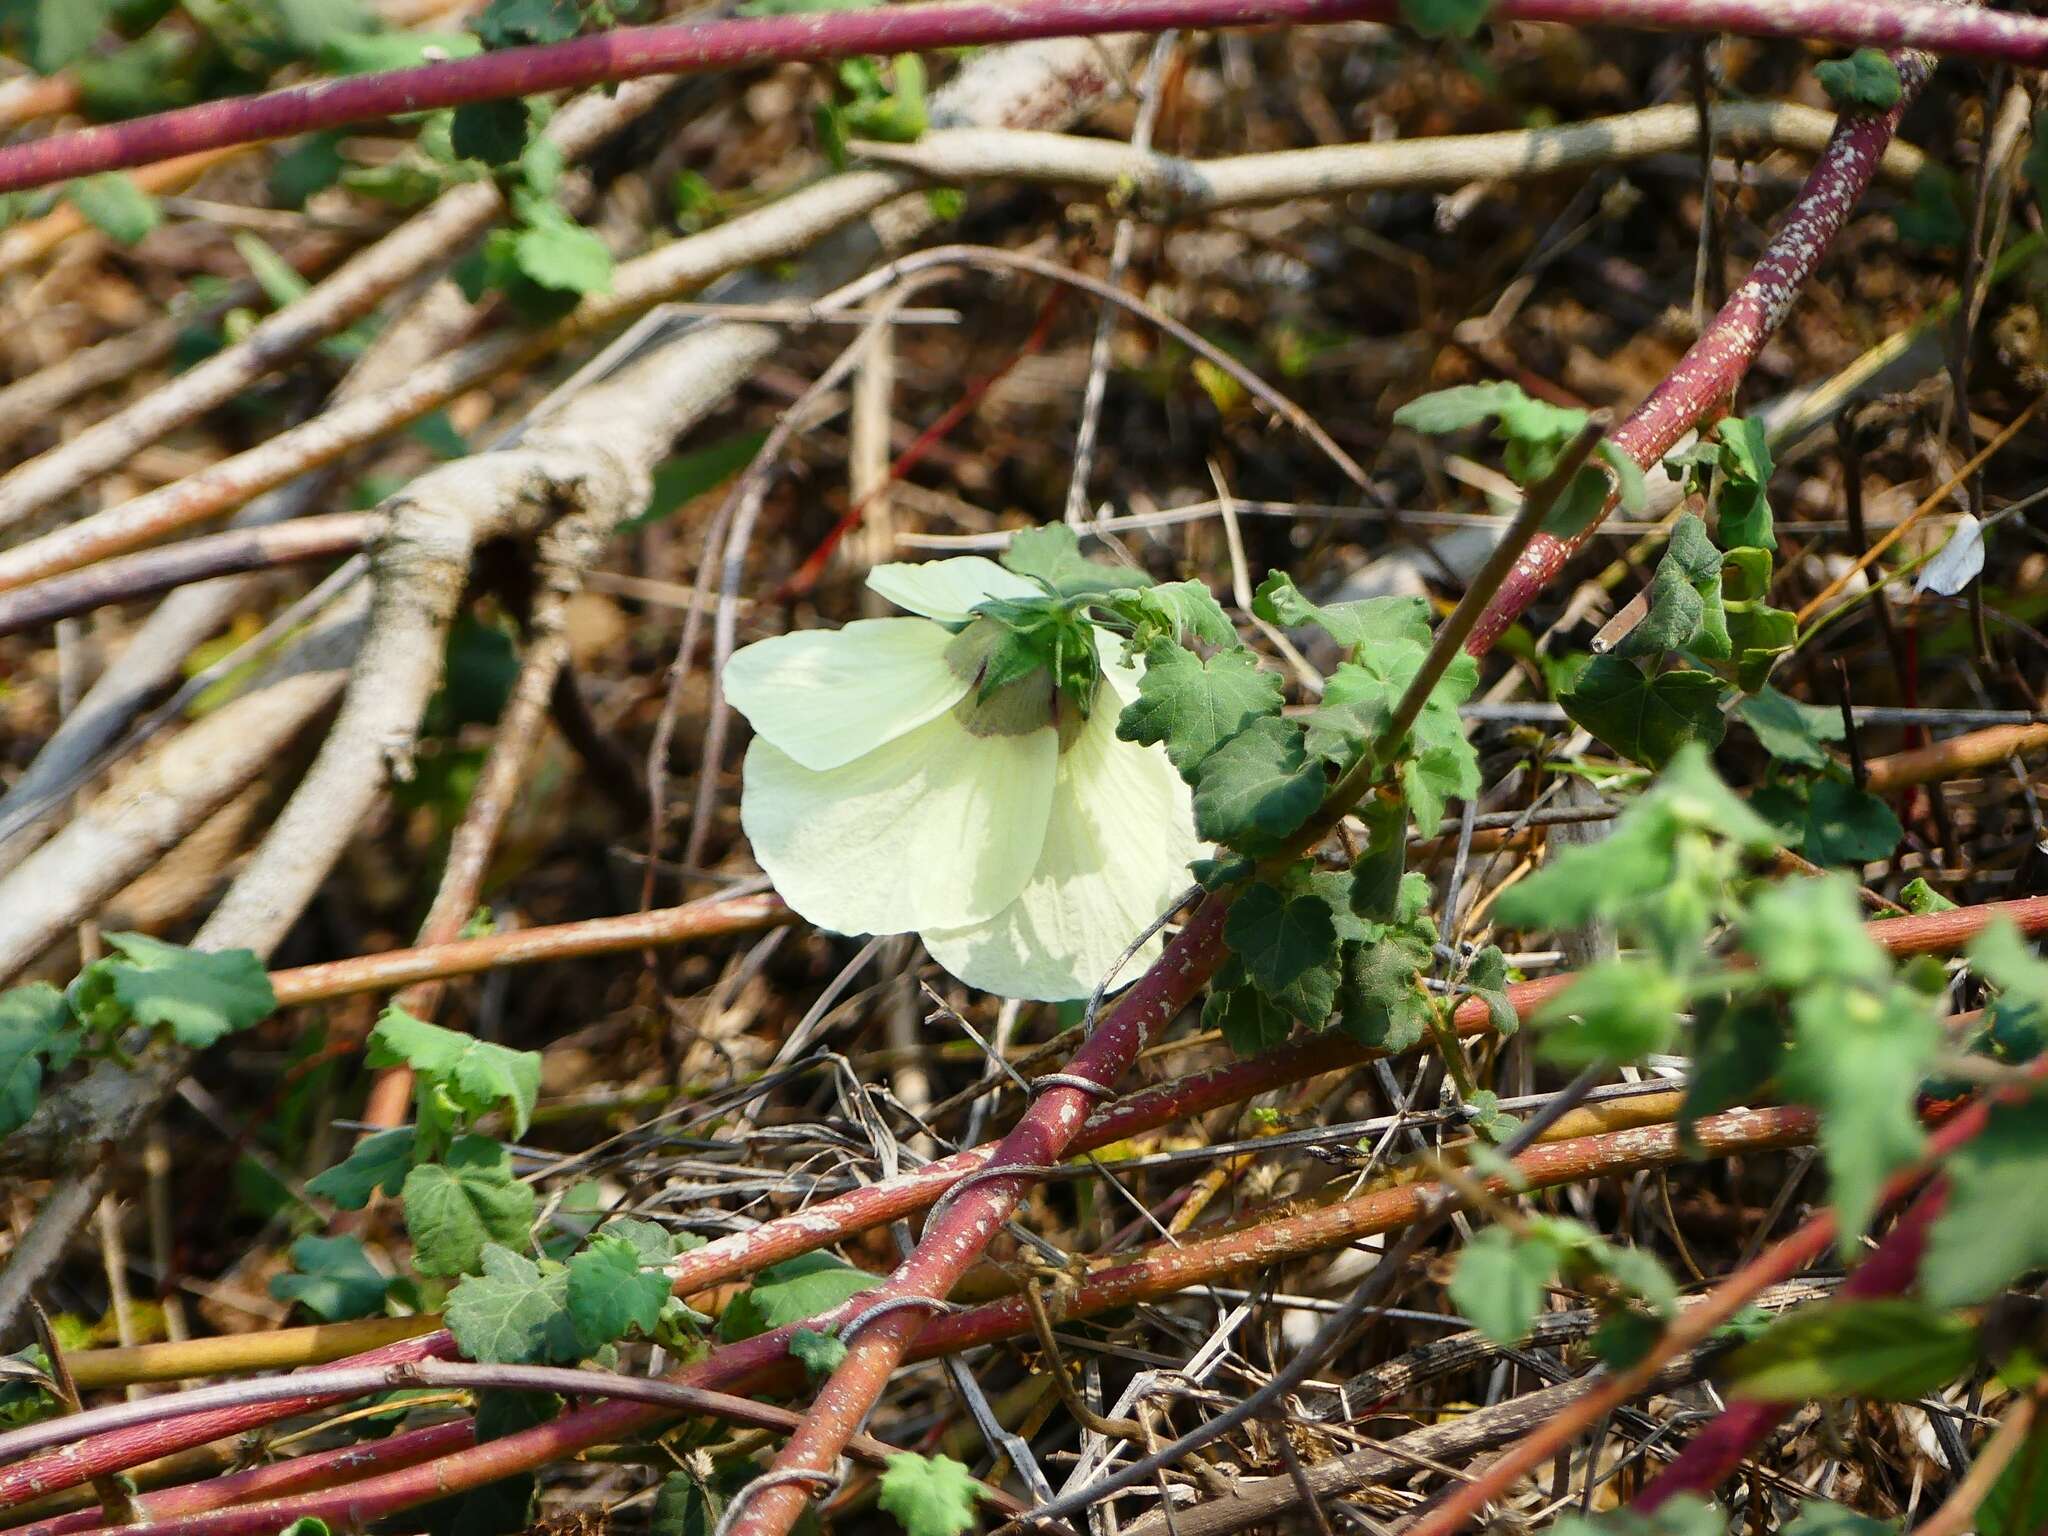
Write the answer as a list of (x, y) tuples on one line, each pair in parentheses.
[(1027, 658)]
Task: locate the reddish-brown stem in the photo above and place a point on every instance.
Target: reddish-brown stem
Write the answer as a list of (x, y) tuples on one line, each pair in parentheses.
[(860, 1210), (1707, 376), (631, 52), (760, 1364), (1719, 1449), (529, 946)]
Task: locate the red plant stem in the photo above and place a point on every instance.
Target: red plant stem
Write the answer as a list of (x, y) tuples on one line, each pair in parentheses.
[(1706, 377), (1738, 1429), (843, 1216), (630, 52), (955, 1236), (805, 576), (273, 1480), (1781, 1262), (760, 1364)]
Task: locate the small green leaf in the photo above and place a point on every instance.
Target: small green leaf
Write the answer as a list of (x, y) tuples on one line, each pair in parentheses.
[(1643, 717), (1891, 1350), (1194, 706), (454, 1209), (1685, 1515), (115, 206), (1806, 931), (1859, 1059), (1249, 1021), (1685, 599), (1382, 1002), (1051, 556), (378, 1162), (821, 1353), (513, 1313), (198, 995), (929, 1495), (1867, 79), (612, 1294), (1500, 1283), (1790, 731), (1258, 787), (478, 1075), (1446, 18), (333, 1278), (491, 131), (560, 254), (1831, 822), (1372, 623), (1993, 1228), (792, 1291), (1614, 1012), (514, 23), (1279, 935), (35, 1024), (1178, 611)]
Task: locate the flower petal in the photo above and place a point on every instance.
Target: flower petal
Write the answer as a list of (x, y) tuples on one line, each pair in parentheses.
[(828, 696), (947, 590), (1116, 852), (937, 826)]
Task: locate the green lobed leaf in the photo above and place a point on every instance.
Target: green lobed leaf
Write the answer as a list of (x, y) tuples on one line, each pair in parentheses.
[(1193, 706), (1686, 1515), (1500, 1283), (1790, 731), (1891, 1350), (515, 1312), (1993, 1228), (1859, 1059), (333, 1278), (114, 205), (1177, 611), (1051, 556), (1250, 1021), (454, 1209), (479, 1075), (929, 1495), (35, 1027), (612, 1293), (1369, 623), (377, 1163), (1866, 80), (1382, 1002), (491, 131), (1649, 719), (1279, 934), (561, 255), (197, 995), (1614, 1012), (1446, 18), (1685, 599), (1817, 1517), (1801, 932), (514, 23), (1831, 822), (1258, 787), (792, 1291), (821, 1353)]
